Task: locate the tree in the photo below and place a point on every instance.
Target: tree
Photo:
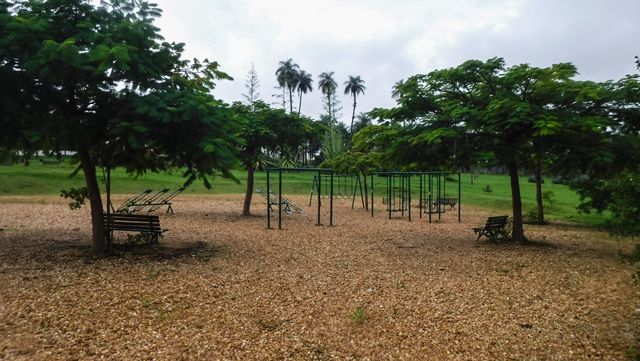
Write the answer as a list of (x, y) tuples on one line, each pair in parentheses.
[(608, 162), (509, 112), (363, 120), (99, 81), (266, 130), (354, 86), (396, 90), (287, 76), (305, 85), (328, 88), (252, 84)]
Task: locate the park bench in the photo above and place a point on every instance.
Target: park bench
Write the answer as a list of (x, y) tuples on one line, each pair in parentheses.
[(147, 225), (287, 206), (494, 228), (451, 202)]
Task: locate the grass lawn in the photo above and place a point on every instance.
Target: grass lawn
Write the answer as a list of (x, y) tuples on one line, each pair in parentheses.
[(41, 179)]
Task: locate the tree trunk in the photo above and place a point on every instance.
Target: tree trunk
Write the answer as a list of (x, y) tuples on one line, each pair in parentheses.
[(516, 200), (246, 208), (300, 104), (366, 192), (538, 176), (290, 101), (353, 115), (284, 98), (98, 244)]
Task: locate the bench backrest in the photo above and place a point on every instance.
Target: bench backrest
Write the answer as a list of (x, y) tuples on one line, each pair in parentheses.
[(132, 222), (496, 222)]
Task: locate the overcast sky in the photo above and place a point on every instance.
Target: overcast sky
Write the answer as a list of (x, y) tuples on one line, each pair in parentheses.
[(386, 41)]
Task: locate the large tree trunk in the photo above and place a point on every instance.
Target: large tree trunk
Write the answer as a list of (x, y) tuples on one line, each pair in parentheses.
[(366, 192), (300, 103), (516, 200), (538, 176), (246, 208), (98, 244)]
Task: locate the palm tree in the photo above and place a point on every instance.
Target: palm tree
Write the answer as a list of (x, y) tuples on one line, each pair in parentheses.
[(363, 120), (355, 86), (287, 75), (305, 84), (328, 87), (396, 91)]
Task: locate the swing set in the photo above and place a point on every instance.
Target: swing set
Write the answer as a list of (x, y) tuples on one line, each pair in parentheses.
[(432, 192), (345, 186)]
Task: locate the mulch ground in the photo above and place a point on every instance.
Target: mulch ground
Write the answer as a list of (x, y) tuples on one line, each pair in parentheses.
[(220, 286)]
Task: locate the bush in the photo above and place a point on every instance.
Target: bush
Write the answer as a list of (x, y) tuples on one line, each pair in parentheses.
[(487, 189), (549, 197)]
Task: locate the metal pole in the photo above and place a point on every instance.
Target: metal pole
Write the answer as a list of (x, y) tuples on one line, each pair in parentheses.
[(421, 195), (331, 202), (280, 198), (429, 207), (268, 201), (402, 194), (389, 191), (439, 198), (459, 194), (409, 194), (313, 185), (319, 192), (372, 187)]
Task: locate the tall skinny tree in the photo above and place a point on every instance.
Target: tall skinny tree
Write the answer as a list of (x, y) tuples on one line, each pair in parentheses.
[(252, 84), (305, 85), (354, 86), (328, 88)]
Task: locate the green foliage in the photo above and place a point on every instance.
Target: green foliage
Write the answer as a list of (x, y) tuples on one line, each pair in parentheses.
[(625, 203), (332, 144), (549, 197), (99, 80), (358, 316), (140, 240), (352, 162), (76, 195)]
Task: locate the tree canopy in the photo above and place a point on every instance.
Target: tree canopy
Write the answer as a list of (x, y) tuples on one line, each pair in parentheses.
[(99, 80)]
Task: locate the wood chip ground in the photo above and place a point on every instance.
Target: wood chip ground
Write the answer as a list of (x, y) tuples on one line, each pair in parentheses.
[(220, 286)]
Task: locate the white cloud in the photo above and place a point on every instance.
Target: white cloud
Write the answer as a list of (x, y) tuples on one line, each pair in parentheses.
[(385, 41)]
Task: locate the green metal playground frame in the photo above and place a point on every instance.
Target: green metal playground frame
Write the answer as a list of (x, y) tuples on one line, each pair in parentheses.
[(430, 184), (320, 173)]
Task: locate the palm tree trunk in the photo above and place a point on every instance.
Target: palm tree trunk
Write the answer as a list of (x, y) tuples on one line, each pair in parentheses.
[(98, 244), (284, 99), (246, 208), (300, 103), (290, 101), (353, 115), (330, 110)]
